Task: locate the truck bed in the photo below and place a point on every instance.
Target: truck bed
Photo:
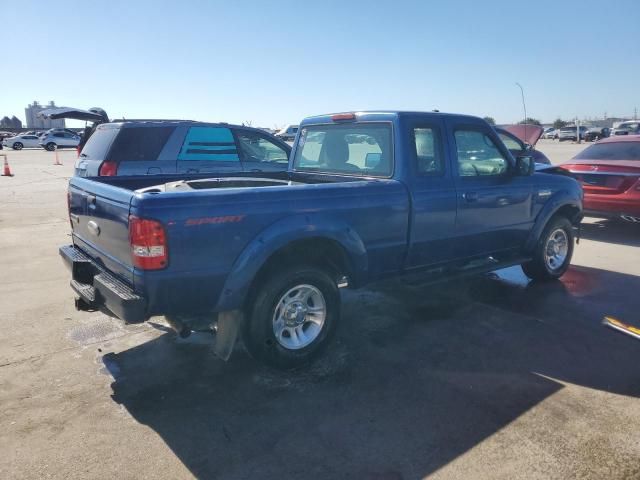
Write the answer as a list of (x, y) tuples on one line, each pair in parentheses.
[(237, 215)]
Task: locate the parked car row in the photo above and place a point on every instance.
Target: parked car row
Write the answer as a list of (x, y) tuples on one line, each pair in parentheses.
[(588, 134), (49, 140), (631, 127)]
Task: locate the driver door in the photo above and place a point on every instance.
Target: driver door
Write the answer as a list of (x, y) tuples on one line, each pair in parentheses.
[(494, 206)]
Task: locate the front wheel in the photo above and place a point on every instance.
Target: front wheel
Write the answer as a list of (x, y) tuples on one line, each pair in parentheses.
[(50, 146), (553, 252), (17, 146), (292, 317)]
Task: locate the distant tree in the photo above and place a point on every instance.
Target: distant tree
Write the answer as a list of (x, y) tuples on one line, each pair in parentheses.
[(530, 121), (489, 120), (16, 122), (5, 122), (559, 123)]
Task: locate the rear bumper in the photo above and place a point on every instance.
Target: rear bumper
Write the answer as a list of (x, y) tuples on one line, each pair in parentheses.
[(612, 205), (98, 287)]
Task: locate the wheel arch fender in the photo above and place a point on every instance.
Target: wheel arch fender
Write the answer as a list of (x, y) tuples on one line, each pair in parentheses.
[(562, 202), (277, 237)]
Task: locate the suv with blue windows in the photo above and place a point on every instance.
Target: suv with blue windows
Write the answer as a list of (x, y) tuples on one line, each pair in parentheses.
[(148, 147)]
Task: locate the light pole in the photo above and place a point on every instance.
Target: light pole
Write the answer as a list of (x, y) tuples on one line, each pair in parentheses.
[(524, 107)]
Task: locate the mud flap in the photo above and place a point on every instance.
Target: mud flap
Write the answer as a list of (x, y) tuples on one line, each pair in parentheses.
[(227, 329)]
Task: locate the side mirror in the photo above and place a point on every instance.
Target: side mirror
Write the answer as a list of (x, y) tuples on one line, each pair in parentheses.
[(525, 166)]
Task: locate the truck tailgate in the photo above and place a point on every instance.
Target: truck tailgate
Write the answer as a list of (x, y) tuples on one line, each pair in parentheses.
[(99, 215)]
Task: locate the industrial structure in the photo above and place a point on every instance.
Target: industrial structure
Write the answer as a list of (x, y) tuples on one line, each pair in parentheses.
[(36, 122)]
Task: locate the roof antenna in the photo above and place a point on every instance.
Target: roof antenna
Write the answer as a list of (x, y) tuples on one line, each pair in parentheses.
[(435, 110), (524, 107)]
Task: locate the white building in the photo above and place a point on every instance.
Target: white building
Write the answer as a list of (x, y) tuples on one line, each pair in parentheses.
[(35, 122)]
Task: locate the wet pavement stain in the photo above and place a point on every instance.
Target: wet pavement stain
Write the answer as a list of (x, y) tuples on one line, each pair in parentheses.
[(95, 330)]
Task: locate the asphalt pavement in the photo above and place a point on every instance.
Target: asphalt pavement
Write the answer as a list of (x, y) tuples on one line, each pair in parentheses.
[(492, 377)]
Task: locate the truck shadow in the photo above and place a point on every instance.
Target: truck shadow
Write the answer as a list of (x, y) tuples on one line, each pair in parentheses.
[(610, 231), (415, 377)]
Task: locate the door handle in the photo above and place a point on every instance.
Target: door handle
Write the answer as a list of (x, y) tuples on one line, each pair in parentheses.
[(470, 196)]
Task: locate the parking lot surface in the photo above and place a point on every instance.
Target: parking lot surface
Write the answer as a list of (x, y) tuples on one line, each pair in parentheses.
[(492, 377)]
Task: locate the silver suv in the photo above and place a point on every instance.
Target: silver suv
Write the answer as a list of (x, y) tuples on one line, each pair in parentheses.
[(569, 133), (54, 139)]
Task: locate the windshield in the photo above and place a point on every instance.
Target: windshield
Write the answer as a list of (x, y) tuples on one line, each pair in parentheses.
[(611, 151), (353, 149)]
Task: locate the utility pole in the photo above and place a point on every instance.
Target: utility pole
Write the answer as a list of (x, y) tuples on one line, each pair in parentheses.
[(524, 107)]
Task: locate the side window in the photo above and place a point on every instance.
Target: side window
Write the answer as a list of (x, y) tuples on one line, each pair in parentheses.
[(428, 152), (478, 155), (258, 149), (58, 135), (209, 143), (139, 144)]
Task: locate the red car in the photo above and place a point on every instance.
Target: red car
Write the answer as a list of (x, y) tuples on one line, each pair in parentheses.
[(609, 171)]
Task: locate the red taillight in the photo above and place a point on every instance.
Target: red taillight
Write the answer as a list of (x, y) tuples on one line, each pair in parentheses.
[(78, 151), (108, 169), (148, 243), (343, 117)]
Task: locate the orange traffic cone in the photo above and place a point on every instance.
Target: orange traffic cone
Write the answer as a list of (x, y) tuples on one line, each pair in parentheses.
[(7, 171), (57, 162)]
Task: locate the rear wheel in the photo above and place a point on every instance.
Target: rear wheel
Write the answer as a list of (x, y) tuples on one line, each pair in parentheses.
[(553, 252), (50, 146), (17, 146), (292, 317)]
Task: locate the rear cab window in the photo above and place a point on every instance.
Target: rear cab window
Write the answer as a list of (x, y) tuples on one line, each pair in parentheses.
[(360, 149)]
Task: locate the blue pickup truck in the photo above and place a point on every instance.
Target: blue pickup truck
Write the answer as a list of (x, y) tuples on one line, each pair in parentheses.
[(367, 196)]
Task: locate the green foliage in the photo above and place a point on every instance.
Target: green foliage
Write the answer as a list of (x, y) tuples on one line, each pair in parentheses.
[(559, 123), (489, 120), (530, 121)]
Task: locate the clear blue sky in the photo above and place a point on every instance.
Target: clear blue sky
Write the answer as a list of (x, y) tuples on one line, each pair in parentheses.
[(277, 62)]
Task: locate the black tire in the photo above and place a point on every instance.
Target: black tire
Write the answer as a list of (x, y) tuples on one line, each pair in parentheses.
[(17, 146), (538, 268), (258, 332), (50, 147)]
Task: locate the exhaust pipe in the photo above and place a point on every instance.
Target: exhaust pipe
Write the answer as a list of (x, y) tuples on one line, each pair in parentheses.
[(629, 218)]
